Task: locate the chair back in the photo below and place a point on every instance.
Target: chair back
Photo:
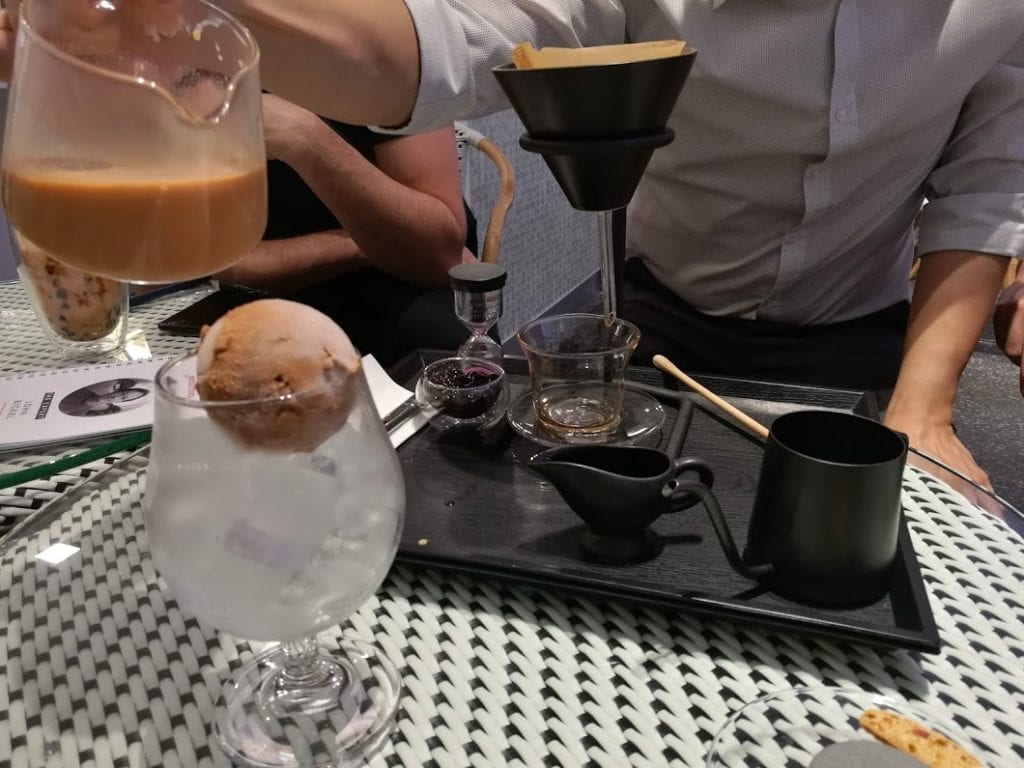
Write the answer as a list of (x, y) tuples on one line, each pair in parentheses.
[(470, 138)]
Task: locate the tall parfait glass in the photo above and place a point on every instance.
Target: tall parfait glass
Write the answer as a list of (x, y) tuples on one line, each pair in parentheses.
[(134, 147), (277, 544)]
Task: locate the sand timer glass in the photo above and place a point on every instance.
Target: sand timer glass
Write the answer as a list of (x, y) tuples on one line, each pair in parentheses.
[(477, 287)]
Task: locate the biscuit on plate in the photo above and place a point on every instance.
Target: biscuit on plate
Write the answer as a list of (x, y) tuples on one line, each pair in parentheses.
[(931, 748)]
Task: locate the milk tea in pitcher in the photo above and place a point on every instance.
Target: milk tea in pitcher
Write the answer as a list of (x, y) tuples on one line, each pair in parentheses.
[(134, 147)]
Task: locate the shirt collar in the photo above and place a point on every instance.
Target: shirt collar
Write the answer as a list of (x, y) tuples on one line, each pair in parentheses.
[(716, 4)]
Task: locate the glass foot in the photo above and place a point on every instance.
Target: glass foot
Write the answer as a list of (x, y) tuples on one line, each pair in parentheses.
[(321, 707)]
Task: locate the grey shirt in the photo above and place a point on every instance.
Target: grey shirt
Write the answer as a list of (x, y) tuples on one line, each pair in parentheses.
[(807, 137)]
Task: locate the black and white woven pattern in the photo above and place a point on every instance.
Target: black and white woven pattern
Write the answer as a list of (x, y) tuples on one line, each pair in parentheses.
[(99, 667), (25, 349)]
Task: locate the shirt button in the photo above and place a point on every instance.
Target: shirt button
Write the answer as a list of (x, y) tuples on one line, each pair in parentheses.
[(843, 114)]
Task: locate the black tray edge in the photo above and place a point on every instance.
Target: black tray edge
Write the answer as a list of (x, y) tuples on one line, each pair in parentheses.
[(926, 639), (863, 403)]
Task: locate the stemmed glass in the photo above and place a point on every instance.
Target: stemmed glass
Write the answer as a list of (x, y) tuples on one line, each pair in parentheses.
[(277, 545)]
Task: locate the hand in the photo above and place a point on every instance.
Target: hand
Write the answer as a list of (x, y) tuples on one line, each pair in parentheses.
[(11, 8), (1008, 322), (91, 21), (940, 441), (286, 127), (162, 17), (8, 26)]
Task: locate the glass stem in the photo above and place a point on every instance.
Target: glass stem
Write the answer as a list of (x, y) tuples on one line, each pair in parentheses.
[(607, 264), (303, 666)]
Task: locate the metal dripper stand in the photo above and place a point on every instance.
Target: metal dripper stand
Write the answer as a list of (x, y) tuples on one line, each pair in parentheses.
[(596, 127), (478, 291)]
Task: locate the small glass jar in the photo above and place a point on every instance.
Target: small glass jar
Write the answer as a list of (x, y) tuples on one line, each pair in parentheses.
[(463, 393), (83, 315)]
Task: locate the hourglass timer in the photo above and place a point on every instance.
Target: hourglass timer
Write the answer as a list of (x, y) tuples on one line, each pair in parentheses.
[(478, 304)]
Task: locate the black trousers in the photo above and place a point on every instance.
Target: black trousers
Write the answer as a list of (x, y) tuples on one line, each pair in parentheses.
[(863, 353)]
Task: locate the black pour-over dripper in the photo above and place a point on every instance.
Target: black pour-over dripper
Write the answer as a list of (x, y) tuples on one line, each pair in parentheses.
[(597, 126), (600, 101), (598, 175)]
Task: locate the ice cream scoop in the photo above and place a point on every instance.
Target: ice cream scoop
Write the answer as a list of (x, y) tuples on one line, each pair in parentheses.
[(290, 370)]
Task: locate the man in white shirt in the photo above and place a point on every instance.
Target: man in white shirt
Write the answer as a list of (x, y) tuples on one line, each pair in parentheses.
[(808, 135)]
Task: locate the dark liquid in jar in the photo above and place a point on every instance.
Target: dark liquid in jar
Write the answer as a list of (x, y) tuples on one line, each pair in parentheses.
[(464, 394)]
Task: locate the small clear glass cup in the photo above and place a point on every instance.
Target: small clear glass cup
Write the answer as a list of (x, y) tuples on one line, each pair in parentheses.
[(277, 541), (577, 373), (84, 316), (463, 393)]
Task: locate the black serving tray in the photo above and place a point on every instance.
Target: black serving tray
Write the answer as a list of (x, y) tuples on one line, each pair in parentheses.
[(473, 506)]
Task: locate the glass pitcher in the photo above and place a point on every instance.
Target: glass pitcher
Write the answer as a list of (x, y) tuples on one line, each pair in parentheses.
[(134, 146)]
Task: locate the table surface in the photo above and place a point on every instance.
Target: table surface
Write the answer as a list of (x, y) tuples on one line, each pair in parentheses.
[(99, 666)]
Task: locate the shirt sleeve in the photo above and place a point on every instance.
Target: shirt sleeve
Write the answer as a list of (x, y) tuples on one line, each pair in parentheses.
[(460, 42), (976, 192)]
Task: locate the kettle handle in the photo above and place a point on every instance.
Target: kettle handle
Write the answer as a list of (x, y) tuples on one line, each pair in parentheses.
[(732, 554)]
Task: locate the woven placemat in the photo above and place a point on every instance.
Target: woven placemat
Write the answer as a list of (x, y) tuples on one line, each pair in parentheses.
[(100, 667), (26, 349)]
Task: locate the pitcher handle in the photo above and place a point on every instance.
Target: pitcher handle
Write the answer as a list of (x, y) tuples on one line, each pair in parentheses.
[(685, 500), (732, 554), (693, 464)]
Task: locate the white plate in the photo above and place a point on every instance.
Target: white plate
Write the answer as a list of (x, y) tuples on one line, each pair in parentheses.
[(788, 729)]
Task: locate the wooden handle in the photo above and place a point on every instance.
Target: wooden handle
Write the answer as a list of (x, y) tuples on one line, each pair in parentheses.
[(492, 237), (753, 425)]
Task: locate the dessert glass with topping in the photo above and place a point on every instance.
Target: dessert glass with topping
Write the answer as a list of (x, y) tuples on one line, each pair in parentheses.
[(274, 505), (83, 315)]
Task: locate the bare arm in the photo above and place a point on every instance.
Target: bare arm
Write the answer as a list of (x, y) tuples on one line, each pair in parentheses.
[(363, 62), (359, 60), (7, 26), (952, 300), (403, 216), (405, 213), (288, 265), (1008, 323), (972, 222)]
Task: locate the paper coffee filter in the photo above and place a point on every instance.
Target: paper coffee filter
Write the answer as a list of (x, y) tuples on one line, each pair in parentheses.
[(525, 56)]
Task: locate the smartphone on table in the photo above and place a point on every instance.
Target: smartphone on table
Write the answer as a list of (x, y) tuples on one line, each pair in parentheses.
[(209, 309)]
